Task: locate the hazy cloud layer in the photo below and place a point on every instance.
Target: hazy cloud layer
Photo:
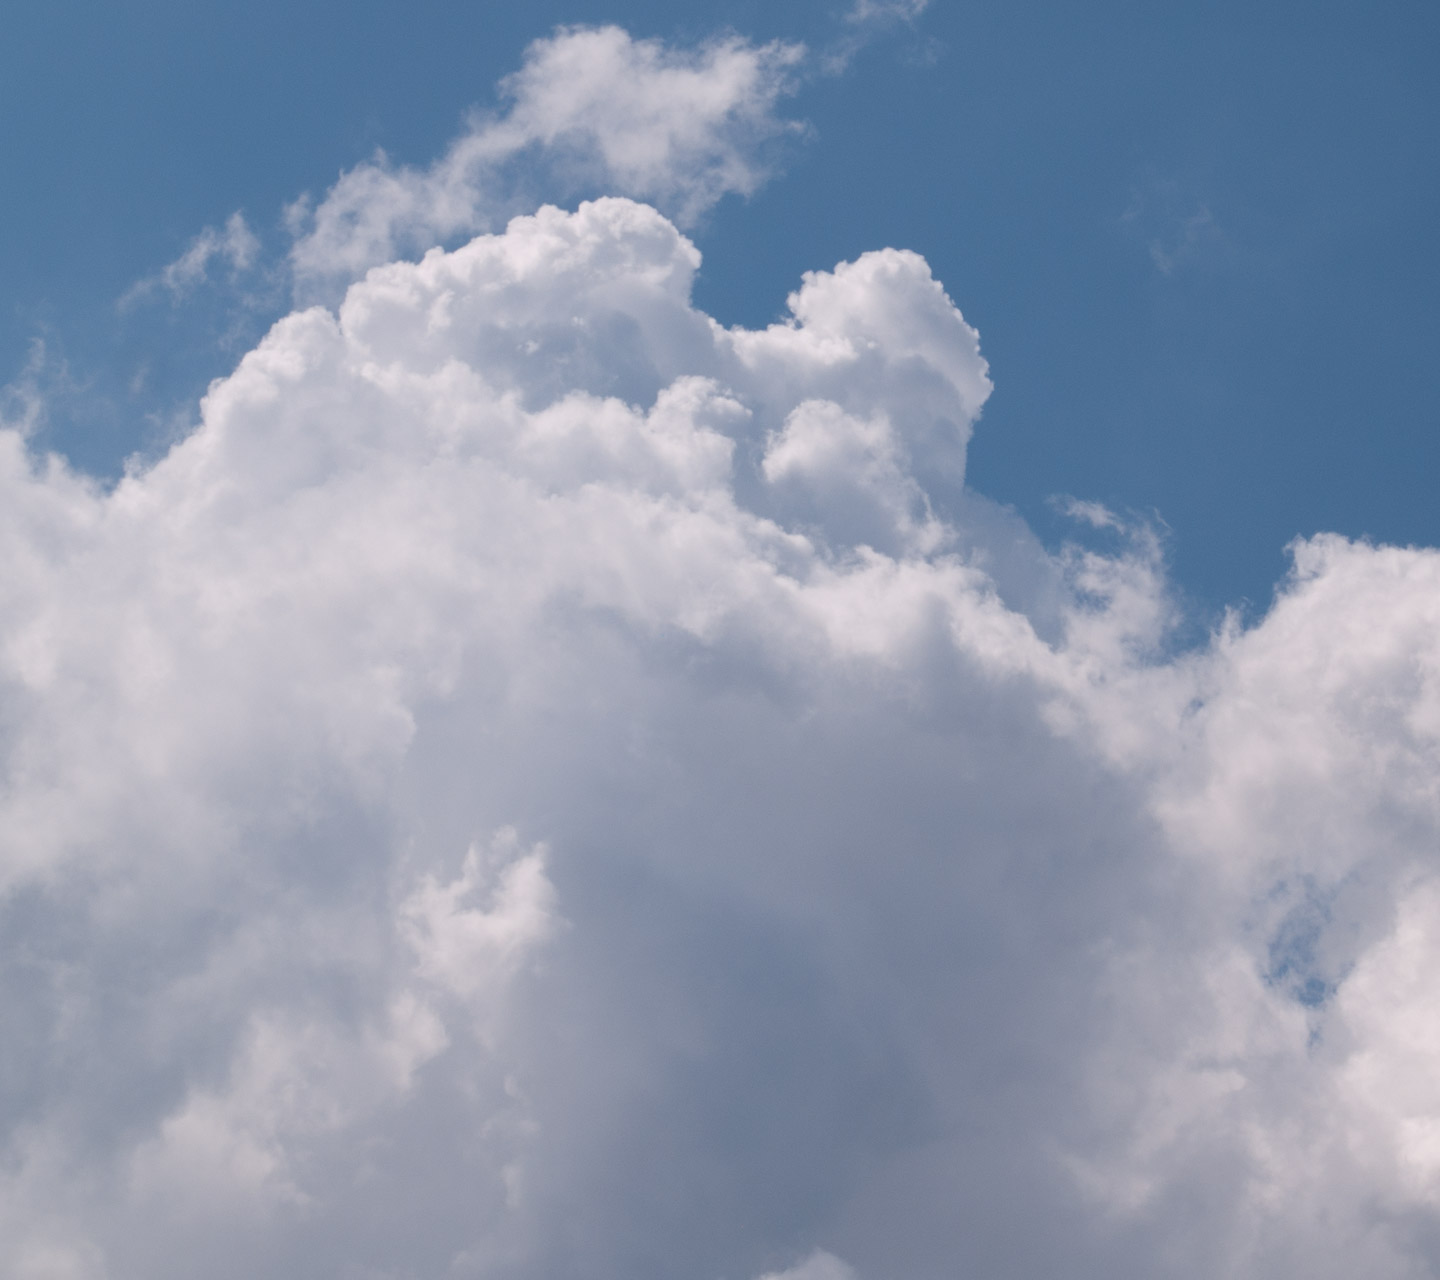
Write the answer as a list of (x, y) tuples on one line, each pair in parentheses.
[(538, 784)]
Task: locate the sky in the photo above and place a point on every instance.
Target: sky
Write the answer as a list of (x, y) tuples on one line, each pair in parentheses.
[(780, 644)]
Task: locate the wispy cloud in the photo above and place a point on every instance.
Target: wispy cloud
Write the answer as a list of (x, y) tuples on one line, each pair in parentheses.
[(885, 11), (1178, 229), (233, 245), (1189, 239), (591, 108), (22, 401)]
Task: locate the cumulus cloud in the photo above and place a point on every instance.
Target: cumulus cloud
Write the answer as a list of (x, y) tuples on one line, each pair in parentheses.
[(539, 783), (595, 108)]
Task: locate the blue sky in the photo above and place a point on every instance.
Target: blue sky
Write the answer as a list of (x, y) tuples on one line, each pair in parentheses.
[(1198, 243)]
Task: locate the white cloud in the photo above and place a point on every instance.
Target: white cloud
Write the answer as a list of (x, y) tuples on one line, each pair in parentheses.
[(234, 244), (539, 783), (818, 1266), (1179, 229), (1195, 232), (497, 496), (886, 10), (22, 401), (864, 22), (591, 108), (468, 950)]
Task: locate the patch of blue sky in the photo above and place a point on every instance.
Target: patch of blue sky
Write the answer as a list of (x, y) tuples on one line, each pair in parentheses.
[(1294, 960), (1197, 242)]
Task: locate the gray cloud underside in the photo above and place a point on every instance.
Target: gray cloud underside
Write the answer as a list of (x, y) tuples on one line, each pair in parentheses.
[(539, 784)]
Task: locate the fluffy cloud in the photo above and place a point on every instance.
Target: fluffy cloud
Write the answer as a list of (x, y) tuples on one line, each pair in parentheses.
[(595, 109), (540, 784)]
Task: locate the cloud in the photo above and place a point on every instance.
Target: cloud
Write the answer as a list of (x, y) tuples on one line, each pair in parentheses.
[(818, 1266), (284, 678), (863, 23), (885, 11), (1179, 231), (22, 400), (1195, 232), (234, 244), (593, 108), (539, 783)]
